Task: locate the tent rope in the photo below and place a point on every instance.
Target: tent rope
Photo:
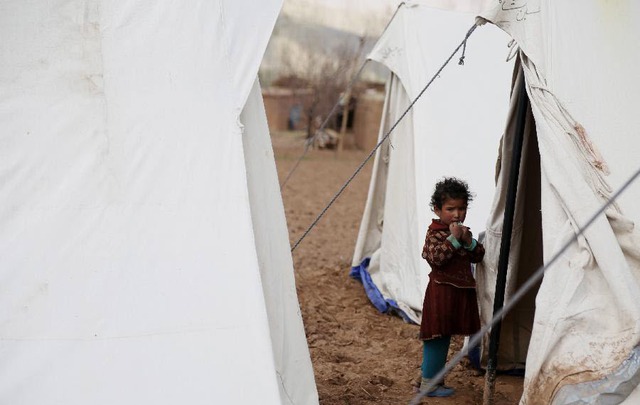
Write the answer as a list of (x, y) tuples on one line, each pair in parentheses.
[(520, 293), (464, 49), (384, 138)]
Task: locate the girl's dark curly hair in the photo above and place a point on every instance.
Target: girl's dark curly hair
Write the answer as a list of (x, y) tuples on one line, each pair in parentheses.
[(450, 187)]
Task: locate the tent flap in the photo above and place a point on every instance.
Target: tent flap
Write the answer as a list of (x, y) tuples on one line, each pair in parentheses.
[(587, 316)]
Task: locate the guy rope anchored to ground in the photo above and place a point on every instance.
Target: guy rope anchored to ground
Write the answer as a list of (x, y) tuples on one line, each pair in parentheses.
[(463, 45)]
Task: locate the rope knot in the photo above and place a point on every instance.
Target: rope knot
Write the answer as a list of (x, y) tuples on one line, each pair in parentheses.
[(464, 44), (464, 49)]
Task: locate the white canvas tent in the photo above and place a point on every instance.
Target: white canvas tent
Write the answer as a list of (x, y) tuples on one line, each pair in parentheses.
[(579, 61), (461, 114), (144, 256), (580, 332)]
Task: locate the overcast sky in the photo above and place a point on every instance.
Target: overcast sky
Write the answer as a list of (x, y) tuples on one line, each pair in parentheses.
[(366, 17)]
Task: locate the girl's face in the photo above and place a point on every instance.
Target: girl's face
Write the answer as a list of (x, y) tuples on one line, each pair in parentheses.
[(453, 210)]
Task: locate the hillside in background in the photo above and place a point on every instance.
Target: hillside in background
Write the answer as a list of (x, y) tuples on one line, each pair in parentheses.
[(310, 32)]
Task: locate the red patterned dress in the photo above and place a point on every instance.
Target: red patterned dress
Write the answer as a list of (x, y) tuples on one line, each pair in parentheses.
[(450, 303)]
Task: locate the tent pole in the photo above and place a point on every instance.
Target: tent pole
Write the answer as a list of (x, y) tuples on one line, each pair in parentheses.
[(505, 243)]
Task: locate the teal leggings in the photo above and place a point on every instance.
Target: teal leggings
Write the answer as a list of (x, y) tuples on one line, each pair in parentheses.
[(434, 355)]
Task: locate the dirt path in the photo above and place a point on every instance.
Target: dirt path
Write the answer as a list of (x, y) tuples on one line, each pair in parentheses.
[(359, 355)]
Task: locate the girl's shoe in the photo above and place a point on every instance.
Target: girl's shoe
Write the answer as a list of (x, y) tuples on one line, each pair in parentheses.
[(441, 391)]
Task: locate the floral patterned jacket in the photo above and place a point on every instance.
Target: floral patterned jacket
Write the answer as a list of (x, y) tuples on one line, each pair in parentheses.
[(449, 265)]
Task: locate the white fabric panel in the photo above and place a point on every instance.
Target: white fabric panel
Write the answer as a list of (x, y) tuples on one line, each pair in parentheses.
[(587, 312), (460, 118), (244, 25), (127, 258), (598, 51), (370, 232), (389, 232), (605, 39), (290, 351), (452, 130), (603, 36), (401, 239)]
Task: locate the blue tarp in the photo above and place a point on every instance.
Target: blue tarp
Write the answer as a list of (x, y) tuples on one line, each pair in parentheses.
[(361, 273)]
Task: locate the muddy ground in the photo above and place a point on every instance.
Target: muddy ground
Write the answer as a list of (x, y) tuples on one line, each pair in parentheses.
[(359, 355)]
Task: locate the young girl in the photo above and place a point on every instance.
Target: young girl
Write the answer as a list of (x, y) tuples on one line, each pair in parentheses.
[(450, 305)]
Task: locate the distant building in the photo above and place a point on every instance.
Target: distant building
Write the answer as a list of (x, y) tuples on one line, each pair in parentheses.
[(367, 117), (286, 109)]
